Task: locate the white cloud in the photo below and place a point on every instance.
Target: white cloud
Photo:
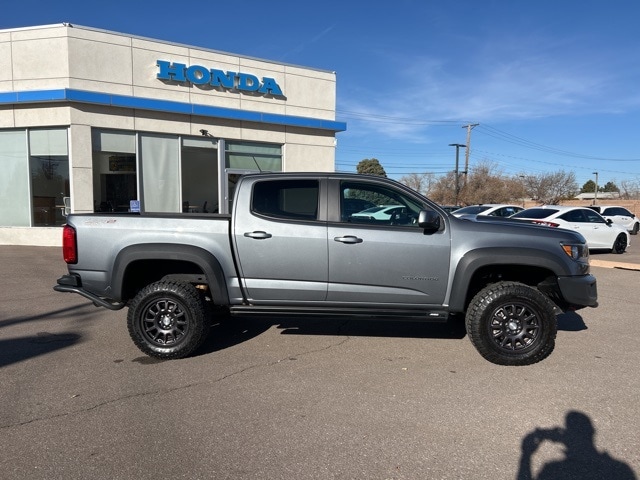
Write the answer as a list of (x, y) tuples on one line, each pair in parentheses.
[(521, 79)]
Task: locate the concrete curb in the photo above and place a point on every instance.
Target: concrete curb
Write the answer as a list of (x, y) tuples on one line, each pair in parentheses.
[(621, 265)]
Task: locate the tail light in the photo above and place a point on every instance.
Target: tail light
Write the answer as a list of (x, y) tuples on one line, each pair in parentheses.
[(69, 245), (546, 224)]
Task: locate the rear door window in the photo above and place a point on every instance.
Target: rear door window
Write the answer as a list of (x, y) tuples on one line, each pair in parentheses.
[(294, 199)]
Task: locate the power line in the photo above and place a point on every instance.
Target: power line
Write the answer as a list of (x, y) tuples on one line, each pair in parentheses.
[(485, 129), (549, 163), (507, 137)]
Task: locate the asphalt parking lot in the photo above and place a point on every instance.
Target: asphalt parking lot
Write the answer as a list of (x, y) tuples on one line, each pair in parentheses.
[(311, 398)]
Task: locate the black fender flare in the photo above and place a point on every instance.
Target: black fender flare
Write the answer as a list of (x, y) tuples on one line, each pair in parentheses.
[(205, 260), (472, 261)]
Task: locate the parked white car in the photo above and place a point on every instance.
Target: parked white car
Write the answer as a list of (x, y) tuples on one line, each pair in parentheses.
[(381, 212), (618, 215), (599, 232), (490, 209)]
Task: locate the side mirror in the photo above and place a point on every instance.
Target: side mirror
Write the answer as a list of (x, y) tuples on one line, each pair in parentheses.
[(609, 221), (429, 220)]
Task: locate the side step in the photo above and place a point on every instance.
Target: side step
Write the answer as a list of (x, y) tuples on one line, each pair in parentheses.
[(386, 314)]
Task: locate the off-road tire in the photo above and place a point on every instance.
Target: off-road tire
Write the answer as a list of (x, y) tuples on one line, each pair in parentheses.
[(620, 245), (168, 320), (510, 323)]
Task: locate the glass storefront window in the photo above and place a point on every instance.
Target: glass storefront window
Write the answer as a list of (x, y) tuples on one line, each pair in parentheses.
[(160, 173), (253, 156), (199, 168), (114, 170), (169, 173), (14, 182), (49, 169)]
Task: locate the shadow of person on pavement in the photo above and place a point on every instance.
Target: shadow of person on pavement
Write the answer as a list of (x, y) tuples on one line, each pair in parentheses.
[(582, 460)]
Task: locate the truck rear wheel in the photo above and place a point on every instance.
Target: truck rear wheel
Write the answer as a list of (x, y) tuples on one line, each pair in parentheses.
[(168, 320), (510, 323)]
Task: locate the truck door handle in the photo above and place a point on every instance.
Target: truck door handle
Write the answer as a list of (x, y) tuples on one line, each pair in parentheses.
[(259, 235), (348, 239)]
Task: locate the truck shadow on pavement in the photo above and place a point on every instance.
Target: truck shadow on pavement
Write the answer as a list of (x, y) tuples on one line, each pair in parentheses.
[(232, 331), (354, 327), (238, 329), (571, 322)]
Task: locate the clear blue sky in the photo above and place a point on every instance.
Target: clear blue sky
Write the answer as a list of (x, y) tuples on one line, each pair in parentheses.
[(553, 84)]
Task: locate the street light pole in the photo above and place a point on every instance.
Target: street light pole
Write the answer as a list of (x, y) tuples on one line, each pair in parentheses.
[(458, 146), (595, 195)]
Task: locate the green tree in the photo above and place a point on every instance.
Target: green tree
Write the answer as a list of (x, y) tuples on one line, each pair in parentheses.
[(371, 166), (588, 187), (610, 187)]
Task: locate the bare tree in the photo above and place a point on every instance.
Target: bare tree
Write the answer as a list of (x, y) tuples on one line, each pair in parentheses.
[(552, 188), (630, 188), (444, 190), (420, 182), (486, 184)]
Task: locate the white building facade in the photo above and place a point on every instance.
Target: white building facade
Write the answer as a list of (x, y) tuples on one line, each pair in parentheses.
[(98, 121)]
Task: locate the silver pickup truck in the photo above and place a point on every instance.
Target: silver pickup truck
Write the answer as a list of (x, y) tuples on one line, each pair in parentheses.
[(318, 244)]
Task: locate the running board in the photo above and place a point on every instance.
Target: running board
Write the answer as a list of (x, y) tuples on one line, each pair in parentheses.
[(387, 314)]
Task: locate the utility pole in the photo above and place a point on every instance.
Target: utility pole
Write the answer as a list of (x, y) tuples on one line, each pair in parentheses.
[(523, 190), (457, 145), (466, 159), (595, 195)]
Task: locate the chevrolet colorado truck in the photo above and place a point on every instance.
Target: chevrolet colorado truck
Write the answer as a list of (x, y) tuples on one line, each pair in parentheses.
[(298, 243)]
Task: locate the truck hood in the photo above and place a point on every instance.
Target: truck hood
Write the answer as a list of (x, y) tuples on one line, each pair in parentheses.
[(514, 226)]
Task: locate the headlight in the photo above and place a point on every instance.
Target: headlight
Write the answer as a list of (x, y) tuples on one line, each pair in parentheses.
[(579, 252)]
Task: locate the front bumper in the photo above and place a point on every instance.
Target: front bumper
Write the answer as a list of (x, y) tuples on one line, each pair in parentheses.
[(579, 292)]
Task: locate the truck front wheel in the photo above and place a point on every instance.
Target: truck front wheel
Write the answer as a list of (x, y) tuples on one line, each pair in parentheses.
[(168, 320), (510, 323)]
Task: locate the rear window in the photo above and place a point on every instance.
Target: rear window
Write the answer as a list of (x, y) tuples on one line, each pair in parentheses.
[(293, 199), (612, 211), (472, 209), (535, 213)]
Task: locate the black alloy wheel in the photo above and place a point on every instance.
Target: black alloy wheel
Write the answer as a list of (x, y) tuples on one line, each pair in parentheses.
[(510, 323), (168, 320), (620, 245)]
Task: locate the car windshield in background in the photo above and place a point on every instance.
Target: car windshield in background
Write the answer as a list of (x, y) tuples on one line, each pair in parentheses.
[(472, 209), (535, 213)]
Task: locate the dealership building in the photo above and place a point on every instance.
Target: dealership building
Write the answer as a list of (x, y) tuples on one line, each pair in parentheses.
[(98, 121)]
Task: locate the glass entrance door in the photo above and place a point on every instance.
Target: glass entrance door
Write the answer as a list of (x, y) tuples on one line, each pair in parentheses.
[(233, 175)]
